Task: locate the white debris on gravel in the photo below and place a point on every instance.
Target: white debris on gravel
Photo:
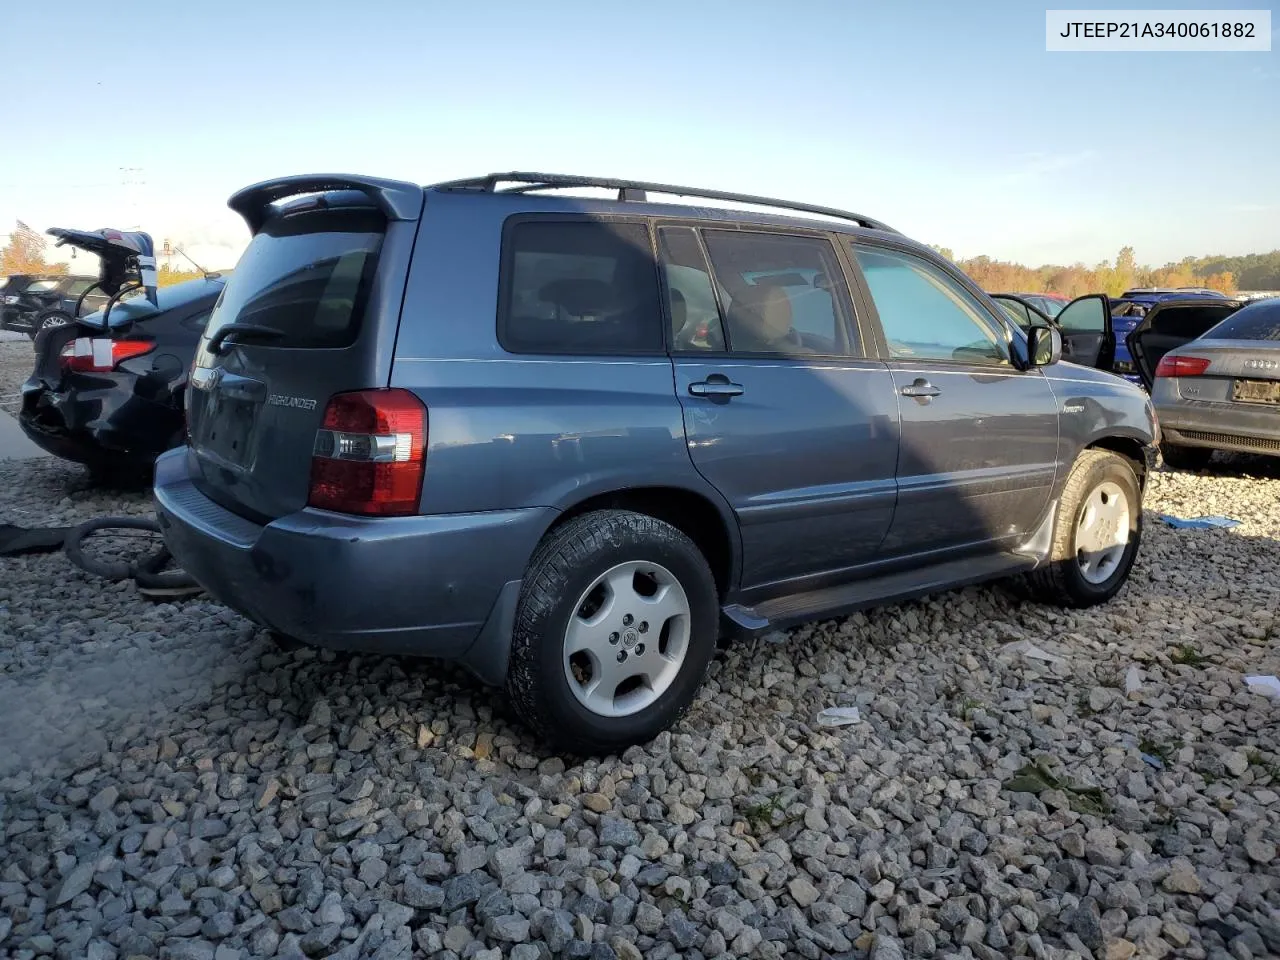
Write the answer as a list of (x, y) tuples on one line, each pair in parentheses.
[(172, 785)]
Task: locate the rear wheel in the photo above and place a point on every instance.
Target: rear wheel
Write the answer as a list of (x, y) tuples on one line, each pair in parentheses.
[(50, 321), (1185, 458), (614, 632), (1096, 533)]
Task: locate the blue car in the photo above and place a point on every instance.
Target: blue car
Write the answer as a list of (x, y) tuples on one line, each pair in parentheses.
[(1095, 328), (1131, 306)]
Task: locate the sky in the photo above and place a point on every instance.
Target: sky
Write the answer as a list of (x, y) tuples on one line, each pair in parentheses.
[(948, 121)]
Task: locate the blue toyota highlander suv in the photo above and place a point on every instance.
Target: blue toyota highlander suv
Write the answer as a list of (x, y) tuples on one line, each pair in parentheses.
[(574, 442)]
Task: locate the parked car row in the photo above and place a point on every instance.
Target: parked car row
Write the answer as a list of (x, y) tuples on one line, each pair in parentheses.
[(571, 443), (1211, 362), (30, 303)]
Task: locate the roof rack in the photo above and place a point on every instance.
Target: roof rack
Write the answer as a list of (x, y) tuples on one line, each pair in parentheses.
[(637, 190)]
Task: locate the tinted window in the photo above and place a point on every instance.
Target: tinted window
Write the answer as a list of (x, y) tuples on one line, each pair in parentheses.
[(1258, 321), (79, 286), (579, 287), (691, 298), (307, 275), (1086, 315), (1016, 310), (781, 294), (925, 314)]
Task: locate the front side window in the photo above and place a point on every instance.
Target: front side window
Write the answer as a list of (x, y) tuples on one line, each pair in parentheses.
[(781, 294), (927, 315), (579, 286), (1016, 309)]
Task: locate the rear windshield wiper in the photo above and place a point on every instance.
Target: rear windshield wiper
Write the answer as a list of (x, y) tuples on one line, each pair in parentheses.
[(243, 329)]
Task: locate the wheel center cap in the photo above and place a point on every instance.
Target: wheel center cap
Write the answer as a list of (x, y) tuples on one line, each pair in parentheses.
[(629, 638)]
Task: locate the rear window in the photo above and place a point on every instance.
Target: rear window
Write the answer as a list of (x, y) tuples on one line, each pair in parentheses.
[(306, 275), (1258, 321), (579, 286)]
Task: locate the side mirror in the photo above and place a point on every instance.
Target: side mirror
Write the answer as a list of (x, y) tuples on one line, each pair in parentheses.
[(1044, 346)]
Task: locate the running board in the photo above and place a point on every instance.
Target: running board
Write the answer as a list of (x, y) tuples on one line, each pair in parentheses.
[(782, 612)]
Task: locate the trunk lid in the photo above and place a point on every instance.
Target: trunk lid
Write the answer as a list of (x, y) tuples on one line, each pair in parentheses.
[(125, 259), (311, 310), (1170, 324)]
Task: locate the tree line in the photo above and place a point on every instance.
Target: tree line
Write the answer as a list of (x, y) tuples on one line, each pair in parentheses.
[(26, 253), (1255, 271)]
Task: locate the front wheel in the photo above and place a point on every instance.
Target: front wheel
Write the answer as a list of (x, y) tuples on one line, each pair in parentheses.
[(1096, 533), (614, 632)]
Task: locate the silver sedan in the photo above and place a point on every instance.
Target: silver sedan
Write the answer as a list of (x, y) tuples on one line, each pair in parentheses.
[(1219, 391)]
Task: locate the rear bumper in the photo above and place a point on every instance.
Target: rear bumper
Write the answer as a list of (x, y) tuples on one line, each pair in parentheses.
[(1221, 426), (106, 422), (437, 586)]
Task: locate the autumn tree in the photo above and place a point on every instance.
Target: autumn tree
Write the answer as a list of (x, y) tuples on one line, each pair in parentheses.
[(24, 253)]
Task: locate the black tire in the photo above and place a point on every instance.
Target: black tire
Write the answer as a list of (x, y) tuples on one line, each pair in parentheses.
[(1060, 582), (1185, 458), (50, 321), (563, 567)]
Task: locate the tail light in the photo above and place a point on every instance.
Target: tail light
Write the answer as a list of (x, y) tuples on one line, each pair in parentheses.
[(1170, 366), (101, 355), (370, 454)]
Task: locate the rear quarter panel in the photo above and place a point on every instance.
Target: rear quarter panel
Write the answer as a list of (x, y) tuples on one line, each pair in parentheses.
[(507, 431)]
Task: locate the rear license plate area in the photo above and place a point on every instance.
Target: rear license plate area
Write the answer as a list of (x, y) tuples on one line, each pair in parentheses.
[(1256, 391), (227, 431)]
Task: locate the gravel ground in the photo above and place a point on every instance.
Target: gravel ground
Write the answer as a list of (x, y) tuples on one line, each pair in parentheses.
[(173, 785)]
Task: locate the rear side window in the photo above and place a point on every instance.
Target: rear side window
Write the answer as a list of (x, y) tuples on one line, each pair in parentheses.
[(579, 286), (307, 276), (781, 294), (1258, 321)]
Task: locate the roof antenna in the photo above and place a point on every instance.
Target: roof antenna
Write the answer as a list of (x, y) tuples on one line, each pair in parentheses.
[(632, 193), (206, 274)]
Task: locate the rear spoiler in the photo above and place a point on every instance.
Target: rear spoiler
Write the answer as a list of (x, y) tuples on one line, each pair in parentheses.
[(126, 257), (396, 199)]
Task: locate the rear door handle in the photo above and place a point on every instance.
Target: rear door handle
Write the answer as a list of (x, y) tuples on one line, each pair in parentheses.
[(921, 388), (716, 387)]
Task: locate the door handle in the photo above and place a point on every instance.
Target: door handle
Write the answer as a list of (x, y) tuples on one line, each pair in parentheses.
[(716, 387), (921, 388)]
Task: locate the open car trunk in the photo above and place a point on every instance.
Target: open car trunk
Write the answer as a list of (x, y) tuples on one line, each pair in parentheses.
[(1169, 325), (126, 259)]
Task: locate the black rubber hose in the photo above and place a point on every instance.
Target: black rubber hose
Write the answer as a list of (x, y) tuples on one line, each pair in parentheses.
[(147, 572)]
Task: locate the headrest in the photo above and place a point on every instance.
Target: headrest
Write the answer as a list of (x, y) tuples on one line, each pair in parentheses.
[(582, 298), (770, 309)]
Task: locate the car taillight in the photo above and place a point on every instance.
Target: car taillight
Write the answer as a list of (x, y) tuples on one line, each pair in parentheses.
[(370, 454), (100, 355), (1181, 366)]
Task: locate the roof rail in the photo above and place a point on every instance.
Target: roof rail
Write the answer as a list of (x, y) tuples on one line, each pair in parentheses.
[(637, 190)]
